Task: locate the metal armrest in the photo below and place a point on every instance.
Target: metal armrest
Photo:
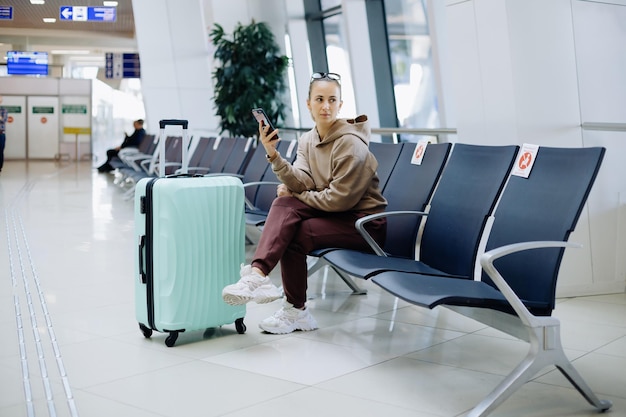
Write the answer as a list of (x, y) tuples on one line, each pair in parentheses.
[(360, 226), (223, 174), (487, 259), (145, 165), (197, 169), (261, 183), (249, 204), (134, 156)]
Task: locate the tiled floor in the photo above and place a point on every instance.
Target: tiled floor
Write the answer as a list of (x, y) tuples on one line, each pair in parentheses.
[(72, 346)]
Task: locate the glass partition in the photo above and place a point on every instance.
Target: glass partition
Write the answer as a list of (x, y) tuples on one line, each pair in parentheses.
[(339, 62), (411, 62)]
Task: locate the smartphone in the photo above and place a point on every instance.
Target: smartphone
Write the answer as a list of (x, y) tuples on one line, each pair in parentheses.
[(260, 116)]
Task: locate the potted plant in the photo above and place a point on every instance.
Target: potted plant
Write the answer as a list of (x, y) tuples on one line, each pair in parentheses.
[(249, 73)]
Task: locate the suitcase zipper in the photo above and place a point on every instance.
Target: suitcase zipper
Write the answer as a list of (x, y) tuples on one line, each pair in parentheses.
[(147, 208)]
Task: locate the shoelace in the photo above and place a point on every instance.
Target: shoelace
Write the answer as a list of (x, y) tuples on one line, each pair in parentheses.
[(285, 315), (252, 281)]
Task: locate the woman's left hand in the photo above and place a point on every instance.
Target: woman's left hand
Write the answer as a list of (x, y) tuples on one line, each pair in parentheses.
[(283, 191)]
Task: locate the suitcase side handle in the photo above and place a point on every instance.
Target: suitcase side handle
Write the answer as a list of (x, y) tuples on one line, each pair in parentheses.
[(142, 272), (173, 122)]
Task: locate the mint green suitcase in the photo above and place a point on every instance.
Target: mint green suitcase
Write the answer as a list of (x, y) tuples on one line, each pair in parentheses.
[(190, 233)]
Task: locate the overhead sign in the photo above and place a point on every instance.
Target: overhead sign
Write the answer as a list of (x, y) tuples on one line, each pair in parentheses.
[(6, 12), (122, 65), (87, 13)]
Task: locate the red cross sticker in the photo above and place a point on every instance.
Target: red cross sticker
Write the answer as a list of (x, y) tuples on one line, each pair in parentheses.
[(418, 153), (527, 156), (525, 160)]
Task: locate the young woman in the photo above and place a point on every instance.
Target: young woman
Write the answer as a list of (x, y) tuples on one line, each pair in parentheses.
[(331, 184)]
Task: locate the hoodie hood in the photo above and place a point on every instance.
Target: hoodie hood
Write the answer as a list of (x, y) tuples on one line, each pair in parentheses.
[(358, 127)]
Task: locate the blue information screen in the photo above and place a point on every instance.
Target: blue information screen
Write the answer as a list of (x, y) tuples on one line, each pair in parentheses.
[(27, 63)]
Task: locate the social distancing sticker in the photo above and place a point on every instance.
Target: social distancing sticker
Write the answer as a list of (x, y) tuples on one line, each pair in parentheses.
[(418, 153), (525, 160)]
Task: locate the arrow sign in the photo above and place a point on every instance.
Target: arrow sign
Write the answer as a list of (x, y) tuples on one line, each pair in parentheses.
[(87, 13), (66, 13)]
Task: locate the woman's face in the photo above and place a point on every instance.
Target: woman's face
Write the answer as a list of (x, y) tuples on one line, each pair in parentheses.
[(324, 101)]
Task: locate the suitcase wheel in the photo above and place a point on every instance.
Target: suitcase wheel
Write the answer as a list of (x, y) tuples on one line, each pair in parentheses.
[(147, 332), (241, 328), (171, 339)]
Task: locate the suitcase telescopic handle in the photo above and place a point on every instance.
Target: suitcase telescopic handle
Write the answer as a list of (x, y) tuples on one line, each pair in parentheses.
[(173, 122), (142, 272), (161, 151)]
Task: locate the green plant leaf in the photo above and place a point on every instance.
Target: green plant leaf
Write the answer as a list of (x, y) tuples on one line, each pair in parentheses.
[(249, 72)]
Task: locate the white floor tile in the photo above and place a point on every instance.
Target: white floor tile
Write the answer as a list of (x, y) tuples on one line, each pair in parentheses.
[(70, 234), (381, 339), (598, 371), (616, 348), (104, 360), (313, 402), (194, 389), (299, 360)]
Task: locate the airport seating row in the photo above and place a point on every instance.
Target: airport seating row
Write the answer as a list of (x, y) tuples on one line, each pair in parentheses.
[(480, 230)]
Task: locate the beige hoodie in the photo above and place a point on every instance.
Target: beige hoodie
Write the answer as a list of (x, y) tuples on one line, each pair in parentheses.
[(336, 174)]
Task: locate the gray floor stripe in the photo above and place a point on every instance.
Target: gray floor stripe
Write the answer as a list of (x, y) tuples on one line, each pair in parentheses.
[(19, 254)]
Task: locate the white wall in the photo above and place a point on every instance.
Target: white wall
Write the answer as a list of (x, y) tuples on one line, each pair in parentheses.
[(533, 71), (36, 135), (600, 38), (175, 62)]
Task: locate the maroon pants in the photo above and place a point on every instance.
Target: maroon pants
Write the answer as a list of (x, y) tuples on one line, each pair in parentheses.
[(293, 229)]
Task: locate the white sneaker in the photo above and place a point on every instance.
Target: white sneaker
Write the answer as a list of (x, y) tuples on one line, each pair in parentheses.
[(251, 287), (289, 319)]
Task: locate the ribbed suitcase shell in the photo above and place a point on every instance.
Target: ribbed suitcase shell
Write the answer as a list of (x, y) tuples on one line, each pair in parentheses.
[(191, 244)]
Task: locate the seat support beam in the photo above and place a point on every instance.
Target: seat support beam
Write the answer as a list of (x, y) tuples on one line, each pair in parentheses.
[(545, 350)]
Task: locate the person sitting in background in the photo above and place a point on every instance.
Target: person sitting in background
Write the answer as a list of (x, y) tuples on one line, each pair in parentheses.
[(129, 141)]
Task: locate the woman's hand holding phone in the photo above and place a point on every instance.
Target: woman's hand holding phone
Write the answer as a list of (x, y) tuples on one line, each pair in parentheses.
[(267, 133)]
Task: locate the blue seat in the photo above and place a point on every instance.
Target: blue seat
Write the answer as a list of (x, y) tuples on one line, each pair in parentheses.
[(222, 150), (465, 197), (387, 155), (204, 146), (126, 157), (224, 156), (150, 167), (516, 294), (263, 191), (238, 159), (409, 187)]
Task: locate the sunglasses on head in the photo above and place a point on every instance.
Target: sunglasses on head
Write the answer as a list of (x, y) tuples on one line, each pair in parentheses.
[(326, 76)]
